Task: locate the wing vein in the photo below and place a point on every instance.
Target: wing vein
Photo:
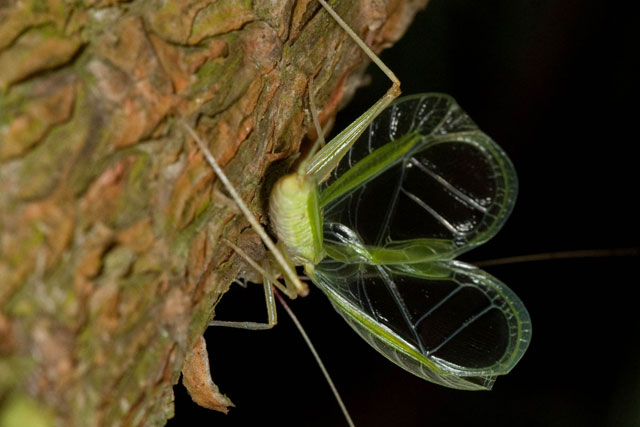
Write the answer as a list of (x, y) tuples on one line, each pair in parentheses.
[(433, 212), (386, 223), (435, 307), (404, 311), (461, 328), (459, 194)]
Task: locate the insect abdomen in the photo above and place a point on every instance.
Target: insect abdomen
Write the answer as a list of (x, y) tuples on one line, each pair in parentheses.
[(296, 217)]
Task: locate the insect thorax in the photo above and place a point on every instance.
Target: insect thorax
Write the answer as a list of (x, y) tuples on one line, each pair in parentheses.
[(295, 214)]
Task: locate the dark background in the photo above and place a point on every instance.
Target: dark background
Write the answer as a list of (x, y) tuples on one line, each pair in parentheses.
[(551, 82)]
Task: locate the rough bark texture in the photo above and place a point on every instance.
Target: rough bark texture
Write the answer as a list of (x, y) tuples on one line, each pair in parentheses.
[(110, 220)]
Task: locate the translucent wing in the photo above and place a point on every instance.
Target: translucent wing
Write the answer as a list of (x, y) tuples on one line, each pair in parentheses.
[(444, 321), (422, 173), (425, 185)]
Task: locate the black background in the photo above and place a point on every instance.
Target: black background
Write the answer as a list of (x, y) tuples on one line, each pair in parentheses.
[(551, 82)]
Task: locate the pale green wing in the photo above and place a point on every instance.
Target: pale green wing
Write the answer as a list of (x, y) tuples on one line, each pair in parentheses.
[(423, 182), (444, 321), (424, 185)]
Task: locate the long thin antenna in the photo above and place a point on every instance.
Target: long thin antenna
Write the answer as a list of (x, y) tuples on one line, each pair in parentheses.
[(291, 274), (586, 253), (316, 356)]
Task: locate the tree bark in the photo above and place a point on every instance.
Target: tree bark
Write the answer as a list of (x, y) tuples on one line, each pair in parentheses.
[(110, 219)]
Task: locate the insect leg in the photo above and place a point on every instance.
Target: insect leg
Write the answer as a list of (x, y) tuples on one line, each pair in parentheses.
[(286, 267), (268, 279), (330, 155), (320, 142)]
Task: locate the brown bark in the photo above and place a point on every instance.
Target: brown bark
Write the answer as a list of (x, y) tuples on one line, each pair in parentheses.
[(110, 262)]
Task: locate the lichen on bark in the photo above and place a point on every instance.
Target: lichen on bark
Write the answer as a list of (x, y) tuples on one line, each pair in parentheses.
[(110, 219)]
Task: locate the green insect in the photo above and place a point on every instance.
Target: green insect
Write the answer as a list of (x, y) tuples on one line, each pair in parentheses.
[(390, 268), (422, 186), (379, 230)]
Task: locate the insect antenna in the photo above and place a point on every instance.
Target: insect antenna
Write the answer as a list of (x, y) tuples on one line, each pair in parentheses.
[(327, 377), (289, 272), (545, 256)]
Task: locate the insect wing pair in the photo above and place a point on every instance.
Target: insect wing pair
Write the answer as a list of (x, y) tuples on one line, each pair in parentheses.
[(421, 186)]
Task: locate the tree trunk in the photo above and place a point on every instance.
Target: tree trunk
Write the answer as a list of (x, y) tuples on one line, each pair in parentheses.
[(110, 219)]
